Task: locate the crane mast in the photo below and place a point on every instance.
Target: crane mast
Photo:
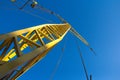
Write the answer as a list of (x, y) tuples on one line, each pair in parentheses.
[(14, 60)]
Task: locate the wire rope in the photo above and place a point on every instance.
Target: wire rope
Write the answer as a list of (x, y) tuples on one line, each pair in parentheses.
[(58, 62), (82, 60), (35, 15)]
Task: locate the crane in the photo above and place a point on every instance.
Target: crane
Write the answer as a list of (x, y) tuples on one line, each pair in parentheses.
[(37, 40)]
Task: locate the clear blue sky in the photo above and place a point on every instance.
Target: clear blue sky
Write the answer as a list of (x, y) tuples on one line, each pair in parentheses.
[(96, 20)]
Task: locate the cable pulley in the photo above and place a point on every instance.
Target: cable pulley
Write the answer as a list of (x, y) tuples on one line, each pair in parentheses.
[(34, 3)]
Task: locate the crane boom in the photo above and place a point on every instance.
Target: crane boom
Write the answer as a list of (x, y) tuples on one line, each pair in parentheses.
[(20, 50), (15, 58)]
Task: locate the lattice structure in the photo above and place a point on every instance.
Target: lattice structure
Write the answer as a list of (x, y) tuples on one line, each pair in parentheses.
[(21, 49)]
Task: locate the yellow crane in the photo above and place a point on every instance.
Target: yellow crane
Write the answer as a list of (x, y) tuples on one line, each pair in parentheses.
[(21, 49)]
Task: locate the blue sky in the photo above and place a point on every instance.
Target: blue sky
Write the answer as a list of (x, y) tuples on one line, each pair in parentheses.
[(98, 21)]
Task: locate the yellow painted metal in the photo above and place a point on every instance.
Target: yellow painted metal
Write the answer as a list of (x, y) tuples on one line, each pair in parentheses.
[(12, 54), (40, 38)]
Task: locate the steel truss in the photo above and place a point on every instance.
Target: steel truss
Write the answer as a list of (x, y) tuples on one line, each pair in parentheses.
[(21, 49)]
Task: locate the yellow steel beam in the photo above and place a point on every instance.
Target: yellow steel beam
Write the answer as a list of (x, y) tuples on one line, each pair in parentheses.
[(40, 39), (45, 35), (23, 39), (17, 48), (52, 31), (49, 33), (4, 43), (29, 41), (19, 32), (30, 64), (5, 49)]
